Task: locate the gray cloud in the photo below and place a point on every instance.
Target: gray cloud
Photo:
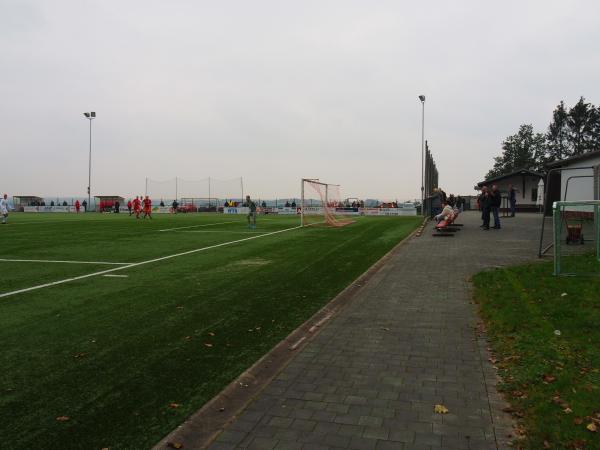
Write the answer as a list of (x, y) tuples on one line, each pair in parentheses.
[(277, 90)]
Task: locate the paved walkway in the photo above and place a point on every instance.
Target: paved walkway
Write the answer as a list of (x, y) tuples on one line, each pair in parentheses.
[(407, 341)]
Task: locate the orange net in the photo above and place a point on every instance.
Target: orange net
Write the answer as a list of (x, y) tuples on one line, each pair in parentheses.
[(327, 208)]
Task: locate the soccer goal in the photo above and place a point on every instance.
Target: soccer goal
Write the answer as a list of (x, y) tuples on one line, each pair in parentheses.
[(321, 203), (576, 231)]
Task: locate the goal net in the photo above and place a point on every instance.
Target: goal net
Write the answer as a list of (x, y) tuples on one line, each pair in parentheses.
[(576, 231), (321, 203)]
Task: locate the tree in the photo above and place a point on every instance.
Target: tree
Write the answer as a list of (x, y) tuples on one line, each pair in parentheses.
[(581, 121), (556, 137), (524, 150)]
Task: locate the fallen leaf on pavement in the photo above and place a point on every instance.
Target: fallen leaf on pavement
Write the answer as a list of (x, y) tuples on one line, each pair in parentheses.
[(440, 409)]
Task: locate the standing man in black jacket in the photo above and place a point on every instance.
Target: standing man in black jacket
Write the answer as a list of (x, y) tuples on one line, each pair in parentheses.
[(485, 201), (512, 197), (496, 202)]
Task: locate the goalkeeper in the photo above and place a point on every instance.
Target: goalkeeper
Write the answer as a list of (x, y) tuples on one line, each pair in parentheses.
[(251, 213)]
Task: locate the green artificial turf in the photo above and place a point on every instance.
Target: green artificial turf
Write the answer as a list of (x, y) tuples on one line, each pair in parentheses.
[(545, 332), (112, 354)]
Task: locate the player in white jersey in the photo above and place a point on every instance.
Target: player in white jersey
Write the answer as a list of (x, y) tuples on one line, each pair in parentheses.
[(4, 208)]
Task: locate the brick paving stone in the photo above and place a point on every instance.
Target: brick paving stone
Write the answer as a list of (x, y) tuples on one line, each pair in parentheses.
[(405, 342)]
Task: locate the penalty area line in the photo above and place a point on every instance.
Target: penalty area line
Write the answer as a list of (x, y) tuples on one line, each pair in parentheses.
[(62, 262), (141, 263), (202, 225)]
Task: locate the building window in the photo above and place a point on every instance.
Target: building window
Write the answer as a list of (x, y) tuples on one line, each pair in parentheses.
[(534, 194)]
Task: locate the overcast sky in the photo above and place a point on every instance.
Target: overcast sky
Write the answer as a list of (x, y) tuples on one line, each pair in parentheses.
[(278, 90)]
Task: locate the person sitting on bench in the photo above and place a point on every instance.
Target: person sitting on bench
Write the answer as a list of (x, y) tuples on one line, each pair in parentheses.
[(446, 213)]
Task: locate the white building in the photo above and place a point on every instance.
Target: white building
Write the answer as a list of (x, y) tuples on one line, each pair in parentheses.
[(578, 178), (525, 183)]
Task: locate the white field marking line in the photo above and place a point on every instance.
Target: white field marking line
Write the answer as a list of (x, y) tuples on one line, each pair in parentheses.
[(43, 221), (129, 266), (114, 275), (202, 225), (219, 231), (61, 261)]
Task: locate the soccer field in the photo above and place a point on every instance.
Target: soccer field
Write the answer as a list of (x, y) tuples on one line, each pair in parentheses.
[(114, 330)]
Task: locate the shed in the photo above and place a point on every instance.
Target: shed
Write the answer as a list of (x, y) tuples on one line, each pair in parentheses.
[(525, 183), (21, 201), (578, 178)]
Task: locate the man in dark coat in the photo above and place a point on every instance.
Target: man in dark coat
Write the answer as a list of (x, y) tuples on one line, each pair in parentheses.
[(512, 198), (496, 202), (485, 201)]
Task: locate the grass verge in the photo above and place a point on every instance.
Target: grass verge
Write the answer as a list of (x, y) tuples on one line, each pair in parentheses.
[(545, 335)]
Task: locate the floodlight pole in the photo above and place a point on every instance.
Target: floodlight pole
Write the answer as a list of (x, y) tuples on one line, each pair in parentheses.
[(422, 98), (90, 116), (302, 202)]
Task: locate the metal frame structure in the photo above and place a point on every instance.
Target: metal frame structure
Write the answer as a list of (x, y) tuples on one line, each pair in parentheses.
[(542, 251), (557, 209)]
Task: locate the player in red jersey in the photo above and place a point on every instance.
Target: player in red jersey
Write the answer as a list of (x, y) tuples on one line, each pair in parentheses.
[(147, 207), (137, 207)]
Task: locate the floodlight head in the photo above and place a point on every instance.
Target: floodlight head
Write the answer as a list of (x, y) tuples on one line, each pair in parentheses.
[(422, 98), (93, 114), (86, 115)]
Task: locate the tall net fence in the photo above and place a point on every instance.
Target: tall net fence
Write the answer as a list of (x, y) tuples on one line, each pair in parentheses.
[(328, 205), (203, 192), (161, 190)]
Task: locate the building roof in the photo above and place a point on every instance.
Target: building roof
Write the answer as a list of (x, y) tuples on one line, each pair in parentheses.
[(521, 172), (108, 197), (566, 161)]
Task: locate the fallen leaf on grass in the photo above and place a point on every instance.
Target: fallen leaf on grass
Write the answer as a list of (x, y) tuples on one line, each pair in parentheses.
[(577, 420), (206, 344), (564, 294), (568, 410), (592, 427), (187, 338), (440, 409), (518, 394), (546, 444), (173, 405), (63, 418), (174, 445), (548, 378), (210, 333)]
